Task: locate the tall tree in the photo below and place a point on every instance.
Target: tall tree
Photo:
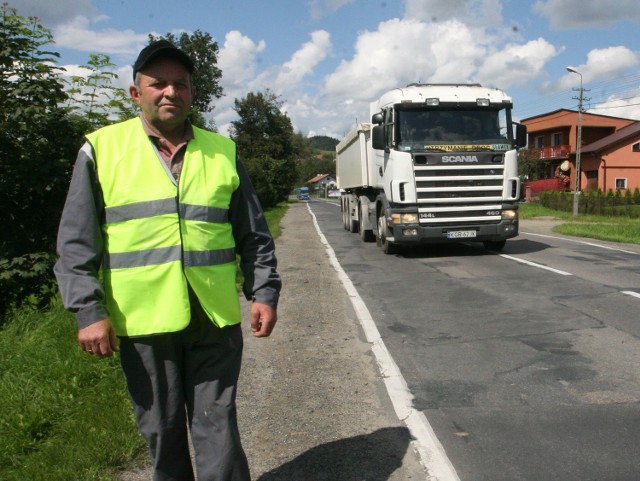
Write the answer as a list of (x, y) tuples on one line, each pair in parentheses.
[(265, 139), (29, 85), (94, 96), (38, 142)]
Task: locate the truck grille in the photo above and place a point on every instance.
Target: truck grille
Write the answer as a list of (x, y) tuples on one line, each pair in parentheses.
[(459, 193)]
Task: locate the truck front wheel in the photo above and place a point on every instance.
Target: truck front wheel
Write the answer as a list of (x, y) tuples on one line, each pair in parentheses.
[(388, 248)]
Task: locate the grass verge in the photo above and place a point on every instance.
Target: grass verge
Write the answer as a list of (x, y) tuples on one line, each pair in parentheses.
[(607, 228), (65, 416)]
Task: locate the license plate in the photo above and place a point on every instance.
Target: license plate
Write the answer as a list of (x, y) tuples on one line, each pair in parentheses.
[(461, 234)]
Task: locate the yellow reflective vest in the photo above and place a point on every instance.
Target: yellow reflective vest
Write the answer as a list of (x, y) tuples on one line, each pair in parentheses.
[(158, 237)]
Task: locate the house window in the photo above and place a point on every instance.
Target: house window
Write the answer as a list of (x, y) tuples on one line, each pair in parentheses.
[(556, 139), (540, 142), (635, 147), (621, 183)]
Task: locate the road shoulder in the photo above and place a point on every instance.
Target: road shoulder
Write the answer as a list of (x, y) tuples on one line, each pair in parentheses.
[(312, 403)]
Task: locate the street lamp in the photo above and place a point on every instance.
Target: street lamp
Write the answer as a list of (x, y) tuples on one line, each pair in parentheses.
[(576, 192)]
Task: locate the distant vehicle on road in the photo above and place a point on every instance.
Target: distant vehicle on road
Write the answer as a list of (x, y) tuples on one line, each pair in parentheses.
[(302, 193)]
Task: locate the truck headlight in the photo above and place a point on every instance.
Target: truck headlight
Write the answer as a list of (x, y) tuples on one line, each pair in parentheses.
[(509, 214), (404, 218)]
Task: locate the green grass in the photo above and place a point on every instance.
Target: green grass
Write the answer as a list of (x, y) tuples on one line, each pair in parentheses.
[(608, 228), (64, 415), (273, 216)]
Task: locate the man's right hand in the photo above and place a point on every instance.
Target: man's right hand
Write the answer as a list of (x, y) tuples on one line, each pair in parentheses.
[(98, 339)]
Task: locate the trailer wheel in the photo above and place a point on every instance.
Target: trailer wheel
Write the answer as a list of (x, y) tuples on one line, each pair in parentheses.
[(345, 214), (366, 235), (388, 248), (494, 245)]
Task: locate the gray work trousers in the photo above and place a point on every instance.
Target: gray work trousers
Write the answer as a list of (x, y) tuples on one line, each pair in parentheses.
[(188, 378)]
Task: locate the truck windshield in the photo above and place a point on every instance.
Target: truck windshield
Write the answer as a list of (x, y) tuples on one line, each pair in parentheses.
[(454, 129)]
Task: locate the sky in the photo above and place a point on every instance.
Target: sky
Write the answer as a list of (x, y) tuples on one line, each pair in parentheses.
[(328, 59)]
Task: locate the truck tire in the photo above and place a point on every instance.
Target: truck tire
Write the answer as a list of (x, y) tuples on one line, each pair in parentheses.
[(367, 235), (494, 245), (345, 214), (388, 248)]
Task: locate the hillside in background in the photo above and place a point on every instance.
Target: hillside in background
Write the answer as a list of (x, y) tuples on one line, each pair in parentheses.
[(323, 143)]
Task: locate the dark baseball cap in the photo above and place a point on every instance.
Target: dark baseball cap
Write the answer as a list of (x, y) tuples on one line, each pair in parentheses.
[(161, 49)]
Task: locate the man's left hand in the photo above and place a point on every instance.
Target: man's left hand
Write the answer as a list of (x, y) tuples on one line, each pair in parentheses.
[(263, 319)]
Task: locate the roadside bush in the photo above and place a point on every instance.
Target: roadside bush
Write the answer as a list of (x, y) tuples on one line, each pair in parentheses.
[(612, 203), (26, 280)]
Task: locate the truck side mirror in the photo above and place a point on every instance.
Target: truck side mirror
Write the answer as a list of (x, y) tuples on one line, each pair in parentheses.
[(377, 119), (377, 137), (521, 135)]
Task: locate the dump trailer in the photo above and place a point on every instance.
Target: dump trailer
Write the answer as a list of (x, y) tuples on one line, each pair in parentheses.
[(437, 163)]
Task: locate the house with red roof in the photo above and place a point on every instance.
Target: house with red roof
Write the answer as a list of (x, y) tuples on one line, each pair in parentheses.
[(609, 157)]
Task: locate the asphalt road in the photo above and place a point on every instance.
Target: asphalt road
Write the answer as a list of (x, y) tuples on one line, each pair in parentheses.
[(517, 366), (524, 363)]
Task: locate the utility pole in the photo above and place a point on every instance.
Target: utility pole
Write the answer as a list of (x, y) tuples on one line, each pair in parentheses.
[(580, 98)]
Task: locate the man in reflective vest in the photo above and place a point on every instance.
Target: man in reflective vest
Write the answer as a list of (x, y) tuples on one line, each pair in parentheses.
[(156, 213)]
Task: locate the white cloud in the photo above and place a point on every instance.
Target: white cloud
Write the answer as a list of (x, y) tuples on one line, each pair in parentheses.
[(620, 105), (53, 13), (604, 63), (395, 53), (238, 59), (398, 53), (304, 61), (516, 64), (566, 14), (80, 34)]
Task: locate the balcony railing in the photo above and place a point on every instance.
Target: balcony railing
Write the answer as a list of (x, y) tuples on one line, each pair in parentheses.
[(548, 153)]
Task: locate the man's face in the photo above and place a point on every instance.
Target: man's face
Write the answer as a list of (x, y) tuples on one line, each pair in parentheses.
[(164, 93)]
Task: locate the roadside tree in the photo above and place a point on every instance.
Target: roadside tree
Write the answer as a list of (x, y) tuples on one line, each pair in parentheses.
[(95, 98), (38, 142), (265, 139)]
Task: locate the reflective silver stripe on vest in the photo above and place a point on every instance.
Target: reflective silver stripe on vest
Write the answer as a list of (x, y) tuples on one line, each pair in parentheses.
[(147, 257), (163, 255), (209, 258), (140, 210), (204, 213)]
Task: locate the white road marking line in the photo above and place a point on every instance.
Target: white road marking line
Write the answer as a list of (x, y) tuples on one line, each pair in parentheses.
[(631, 293), (539, 266), (582, 242), (431, 451)]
